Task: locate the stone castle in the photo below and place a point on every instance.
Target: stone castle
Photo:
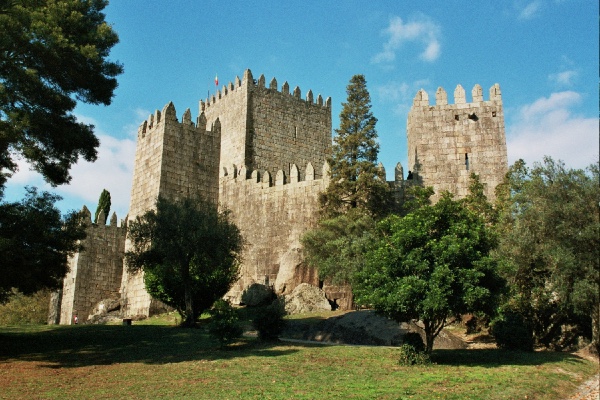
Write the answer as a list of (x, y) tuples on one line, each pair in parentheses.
[(260, 152)]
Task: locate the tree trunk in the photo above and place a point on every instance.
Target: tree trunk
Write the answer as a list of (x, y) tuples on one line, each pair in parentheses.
[(596, 328), (189, 308), (429, 336)]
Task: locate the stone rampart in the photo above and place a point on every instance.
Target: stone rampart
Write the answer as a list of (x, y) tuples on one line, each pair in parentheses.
[(446, 142), (273, 213), (94, 273)]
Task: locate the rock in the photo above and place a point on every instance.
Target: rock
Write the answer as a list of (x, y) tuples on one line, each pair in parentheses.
[(306, 298), (103, 308), (256, 295)]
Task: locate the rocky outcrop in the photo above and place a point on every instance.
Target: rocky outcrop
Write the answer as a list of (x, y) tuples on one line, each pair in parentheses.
[(306, 298)]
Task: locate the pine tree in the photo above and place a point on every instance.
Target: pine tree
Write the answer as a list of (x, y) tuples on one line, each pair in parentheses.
[(104, 204), (356, 180)]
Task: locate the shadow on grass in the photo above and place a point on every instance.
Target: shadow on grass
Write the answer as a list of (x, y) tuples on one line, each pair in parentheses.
[(86, 345), (492, 358)]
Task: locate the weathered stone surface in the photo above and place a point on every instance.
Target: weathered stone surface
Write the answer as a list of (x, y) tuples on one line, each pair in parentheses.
[(306, 298), (256, 295)]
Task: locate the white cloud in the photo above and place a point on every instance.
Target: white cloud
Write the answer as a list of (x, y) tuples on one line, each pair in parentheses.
[(549, 127), (400, 93), (421, 30), (113, 171), (564, 78), (530, 10)]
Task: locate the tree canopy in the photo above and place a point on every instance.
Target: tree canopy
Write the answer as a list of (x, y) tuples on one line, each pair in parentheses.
[(104, 204), (430, 265), (356, 180), (35, 242), (52, 54), (549, 230), (189, 253)]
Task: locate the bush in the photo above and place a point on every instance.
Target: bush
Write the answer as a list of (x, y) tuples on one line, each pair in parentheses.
[(269, 320), (512, 332), (415, 340), (411, 356), (21, 309), (224, 325)]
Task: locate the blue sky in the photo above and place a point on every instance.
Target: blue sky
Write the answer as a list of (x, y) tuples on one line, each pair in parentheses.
[(543, 53)]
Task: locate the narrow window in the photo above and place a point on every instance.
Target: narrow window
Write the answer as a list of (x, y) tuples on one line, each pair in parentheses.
[(456, 117), (493, 113), (467, 161), (473, 117), (295, 132)]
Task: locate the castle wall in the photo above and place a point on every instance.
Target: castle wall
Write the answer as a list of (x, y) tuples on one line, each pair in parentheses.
[(94, 273), (286, 129), (272, 216), (447, 142), (173, 159), (230, 107)]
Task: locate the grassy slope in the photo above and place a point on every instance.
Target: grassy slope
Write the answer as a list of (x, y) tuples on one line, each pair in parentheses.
[(159, 361)]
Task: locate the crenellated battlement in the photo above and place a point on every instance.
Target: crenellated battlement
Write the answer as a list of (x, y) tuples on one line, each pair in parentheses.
[(250, 84), (169, 115), (441, 97), (263, 179), (88, 221)]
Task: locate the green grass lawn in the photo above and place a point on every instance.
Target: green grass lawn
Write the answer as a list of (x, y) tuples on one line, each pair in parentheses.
[(150, 360)]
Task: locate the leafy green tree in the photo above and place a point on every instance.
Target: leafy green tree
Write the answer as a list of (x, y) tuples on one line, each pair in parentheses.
[(549, 233), (189, 253), (104, 204), (431, 265), (337, 247), (35, 241), (52, 53), (356, 180)]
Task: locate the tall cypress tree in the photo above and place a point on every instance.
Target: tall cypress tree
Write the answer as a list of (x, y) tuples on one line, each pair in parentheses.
[(103, 205), (356, 180)]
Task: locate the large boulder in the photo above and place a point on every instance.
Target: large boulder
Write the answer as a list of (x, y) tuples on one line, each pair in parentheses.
[(306, 298)]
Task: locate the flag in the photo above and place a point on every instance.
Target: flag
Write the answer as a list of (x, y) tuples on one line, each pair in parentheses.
[(216, 80)]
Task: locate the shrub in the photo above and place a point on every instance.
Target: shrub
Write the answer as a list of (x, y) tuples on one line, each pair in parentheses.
[(415, 340), (411, 356), (512, 332), (224, 325), (21, 309), (269, 320)]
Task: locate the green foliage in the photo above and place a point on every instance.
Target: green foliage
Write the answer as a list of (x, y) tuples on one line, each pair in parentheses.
[(430, 265), (189, 253), (52, 53), (224, 324), (25, 310), (338, 245), (269, 321), (415, 340), (409, 355), (356, 180), (512, 331), (549, 232), (104, 204), (35, 242)]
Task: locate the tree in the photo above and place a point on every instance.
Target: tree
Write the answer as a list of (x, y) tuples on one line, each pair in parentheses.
[(338, 245), (189, 253), (52, 53), (430, 265), (35, 242), (549, 230), (356, 180), (103, 205)]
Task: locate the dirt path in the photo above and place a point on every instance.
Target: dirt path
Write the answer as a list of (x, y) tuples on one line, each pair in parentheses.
[(589, 390)]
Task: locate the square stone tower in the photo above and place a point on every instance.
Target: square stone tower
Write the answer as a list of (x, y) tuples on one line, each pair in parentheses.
[(447, 142)]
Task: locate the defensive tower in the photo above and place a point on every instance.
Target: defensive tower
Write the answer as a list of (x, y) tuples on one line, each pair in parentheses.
[(446, 142)]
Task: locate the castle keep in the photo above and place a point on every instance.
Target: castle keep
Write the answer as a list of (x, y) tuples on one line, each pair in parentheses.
[(259, 151)]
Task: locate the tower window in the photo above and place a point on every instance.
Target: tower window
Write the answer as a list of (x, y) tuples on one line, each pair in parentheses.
[(456, 117), (473, 117), (493, 113), (467, 161)]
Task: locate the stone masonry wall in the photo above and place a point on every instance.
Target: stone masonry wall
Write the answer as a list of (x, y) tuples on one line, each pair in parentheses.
[(95, 273), (173, 159), (287, 130), (272, 216), (230, 107), (446, 142)]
